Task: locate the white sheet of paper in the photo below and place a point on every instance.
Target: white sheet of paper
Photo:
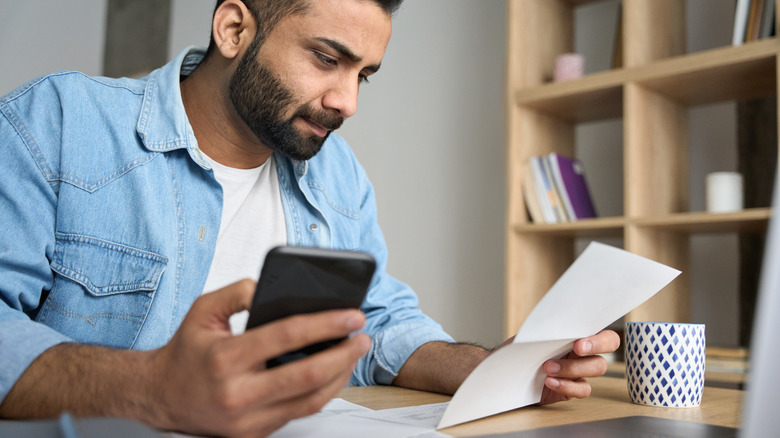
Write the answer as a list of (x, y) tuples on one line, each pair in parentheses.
[(347, 420), (602, 285), (423, 415)]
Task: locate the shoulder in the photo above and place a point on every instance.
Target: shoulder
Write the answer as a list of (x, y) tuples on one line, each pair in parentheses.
[(66, 117), (64, 84), (47, 102)]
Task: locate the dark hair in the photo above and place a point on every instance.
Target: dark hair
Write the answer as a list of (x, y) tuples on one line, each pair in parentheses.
[(267, 13)]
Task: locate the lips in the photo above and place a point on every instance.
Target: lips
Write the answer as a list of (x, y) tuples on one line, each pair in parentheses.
[(319, 130), (320, 122)]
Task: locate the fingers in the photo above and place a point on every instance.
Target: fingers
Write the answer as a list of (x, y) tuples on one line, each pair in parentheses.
[(604, 342), (592, 366), (270, 398), (273, 417), (215, 308), (564, 389), (566, 376), (252, 349), (584, 360), (303, 376)]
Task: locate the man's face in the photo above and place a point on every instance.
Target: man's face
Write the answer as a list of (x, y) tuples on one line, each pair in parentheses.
[(302, 82)]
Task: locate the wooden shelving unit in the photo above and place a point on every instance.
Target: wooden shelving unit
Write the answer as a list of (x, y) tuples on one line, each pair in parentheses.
[(651, 94)]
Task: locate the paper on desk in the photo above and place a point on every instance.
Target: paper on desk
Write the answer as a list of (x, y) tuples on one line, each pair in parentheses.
[(347, 420), (427, 416), (603, 284)]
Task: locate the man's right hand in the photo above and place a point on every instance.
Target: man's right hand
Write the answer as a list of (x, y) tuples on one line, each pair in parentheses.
[(204, 381), (210, 382)]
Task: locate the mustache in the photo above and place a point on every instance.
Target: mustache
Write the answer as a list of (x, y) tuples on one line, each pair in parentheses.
[(328, 121)]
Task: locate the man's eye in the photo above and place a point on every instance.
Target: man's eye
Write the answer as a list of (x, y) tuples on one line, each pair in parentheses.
[(325, 59), (362, 79)]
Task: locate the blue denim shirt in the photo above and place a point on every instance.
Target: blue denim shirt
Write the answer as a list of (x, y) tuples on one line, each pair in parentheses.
[(109, 217)]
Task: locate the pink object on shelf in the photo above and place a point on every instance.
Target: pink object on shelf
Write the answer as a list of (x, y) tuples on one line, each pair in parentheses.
[(569, 66)]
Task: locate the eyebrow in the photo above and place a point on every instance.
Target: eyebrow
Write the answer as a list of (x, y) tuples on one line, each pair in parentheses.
[(344, 50)]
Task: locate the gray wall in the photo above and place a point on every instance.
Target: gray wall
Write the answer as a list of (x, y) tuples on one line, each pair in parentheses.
[(41, 36)]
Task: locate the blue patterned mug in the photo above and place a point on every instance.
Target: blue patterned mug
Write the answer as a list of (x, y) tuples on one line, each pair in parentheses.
[(665, 363)]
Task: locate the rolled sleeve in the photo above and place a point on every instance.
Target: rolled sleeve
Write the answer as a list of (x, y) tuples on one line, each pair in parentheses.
[(397, 328), (392, 347)]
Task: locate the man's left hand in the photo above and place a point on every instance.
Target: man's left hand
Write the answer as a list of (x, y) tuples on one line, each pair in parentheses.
[(566, 377)]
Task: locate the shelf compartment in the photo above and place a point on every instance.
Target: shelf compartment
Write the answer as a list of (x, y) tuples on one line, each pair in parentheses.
[(593, 97), (753, 220), (728, 73)]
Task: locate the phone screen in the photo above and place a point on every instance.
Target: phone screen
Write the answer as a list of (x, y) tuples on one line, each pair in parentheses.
[(298, 280)]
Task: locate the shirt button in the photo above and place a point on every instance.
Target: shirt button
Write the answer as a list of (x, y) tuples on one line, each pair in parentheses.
[(313, 227)]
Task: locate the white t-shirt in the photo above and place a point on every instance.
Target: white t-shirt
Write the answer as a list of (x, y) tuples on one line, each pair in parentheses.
[(252, 223)]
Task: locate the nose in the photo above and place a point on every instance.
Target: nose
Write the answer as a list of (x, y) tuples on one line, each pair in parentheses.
[(342, 97)]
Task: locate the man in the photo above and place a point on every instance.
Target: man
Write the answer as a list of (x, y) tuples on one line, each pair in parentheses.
[(135, 196)]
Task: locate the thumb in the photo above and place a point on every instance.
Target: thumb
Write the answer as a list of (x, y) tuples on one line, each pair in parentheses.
[(219, 305)]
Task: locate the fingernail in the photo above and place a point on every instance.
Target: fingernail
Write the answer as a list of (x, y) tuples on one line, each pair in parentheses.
[(354, 323), (553, 367), (587, 346), (553, 383)]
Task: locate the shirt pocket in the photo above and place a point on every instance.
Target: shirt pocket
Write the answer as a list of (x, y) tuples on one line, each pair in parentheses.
[(102, 290)]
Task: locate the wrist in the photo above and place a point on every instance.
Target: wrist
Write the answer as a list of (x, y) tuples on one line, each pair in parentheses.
[(151, 397)]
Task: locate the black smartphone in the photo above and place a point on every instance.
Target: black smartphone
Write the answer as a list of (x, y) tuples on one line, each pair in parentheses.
[(305, 280)]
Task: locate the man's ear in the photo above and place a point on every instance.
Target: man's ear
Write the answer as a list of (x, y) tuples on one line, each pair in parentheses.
[(233, 28)]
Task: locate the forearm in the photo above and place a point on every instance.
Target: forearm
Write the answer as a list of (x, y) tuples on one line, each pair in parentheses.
[(84, 380), (440, 366)]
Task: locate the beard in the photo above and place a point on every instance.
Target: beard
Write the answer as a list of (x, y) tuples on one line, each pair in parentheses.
[(262, 100)]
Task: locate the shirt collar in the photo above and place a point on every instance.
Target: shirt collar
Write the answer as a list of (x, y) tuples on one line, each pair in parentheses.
[(163, 124)]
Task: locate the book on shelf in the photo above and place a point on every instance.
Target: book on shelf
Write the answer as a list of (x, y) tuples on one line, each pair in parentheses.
[(529, 194), (740, 21), (543, 190), (560, 210), (727, 360), (569, 176), (555, 190), (768, 20), (753, 20)]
